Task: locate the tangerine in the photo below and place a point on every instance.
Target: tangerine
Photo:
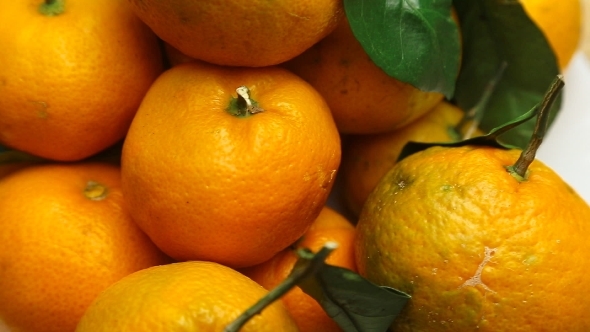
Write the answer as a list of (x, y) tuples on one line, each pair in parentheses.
[(186, 296), (65, 236), (475, 246), (254, 33), (229, 164), (73, 74)]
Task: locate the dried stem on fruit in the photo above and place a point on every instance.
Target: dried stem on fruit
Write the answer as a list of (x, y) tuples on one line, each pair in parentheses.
[(520, 167)]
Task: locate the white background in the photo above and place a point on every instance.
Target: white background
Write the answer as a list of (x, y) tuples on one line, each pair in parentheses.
[(566, 148)]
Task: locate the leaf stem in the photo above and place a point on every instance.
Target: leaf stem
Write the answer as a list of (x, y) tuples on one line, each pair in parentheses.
[(296, 276), (527, 156)]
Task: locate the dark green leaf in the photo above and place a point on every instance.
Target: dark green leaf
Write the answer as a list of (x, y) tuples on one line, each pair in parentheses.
[(493, 32), (356, 304), (414, 41)]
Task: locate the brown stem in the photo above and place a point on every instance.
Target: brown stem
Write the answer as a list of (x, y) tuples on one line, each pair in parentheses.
[(527, 156), (243, 105)]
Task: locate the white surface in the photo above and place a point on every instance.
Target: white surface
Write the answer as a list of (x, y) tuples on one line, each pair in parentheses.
[(566, 148)]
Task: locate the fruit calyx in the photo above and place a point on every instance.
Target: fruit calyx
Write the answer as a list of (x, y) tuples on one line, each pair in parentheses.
[(520, 168), (52, 7), (243, 105), (95, 191)]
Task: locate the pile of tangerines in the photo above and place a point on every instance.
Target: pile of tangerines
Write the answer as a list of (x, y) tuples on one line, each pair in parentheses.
[(234, 120)]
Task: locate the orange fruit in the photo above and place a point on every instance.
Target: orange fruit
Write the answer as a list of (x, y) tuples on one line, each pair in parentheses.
[(477, 248), (65, 237), (366, 158), (306, 311), (561, 22), (207, 182), (73, 74), (363, 98), (238, 33), (187, 296)]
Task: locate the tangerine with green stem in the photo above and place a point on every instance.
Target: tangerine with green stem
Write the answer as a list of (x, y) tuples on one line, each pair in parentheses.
[(73, 75), (65, 236), (254, 153), (477, 246)]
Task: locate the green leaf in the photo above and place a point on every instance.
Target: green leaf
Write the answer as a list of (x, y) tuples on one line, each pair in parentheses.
[(416, 41), (356, 304), (495, 32), (490, 139)]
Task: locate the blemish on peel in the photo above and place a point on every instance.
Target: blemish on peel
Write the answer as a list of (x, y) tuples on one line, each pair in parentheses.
[(306, 177), (327, 179), (530, 260), (447, 187), (41, 109), (476, 279)]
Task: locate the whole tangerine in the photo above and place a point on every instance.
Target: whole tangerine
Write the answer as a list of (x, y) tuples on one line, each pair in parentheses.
[(185, 296), (229, 164), (477, 247), (65, 236), (73, 74), (253, 33)]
